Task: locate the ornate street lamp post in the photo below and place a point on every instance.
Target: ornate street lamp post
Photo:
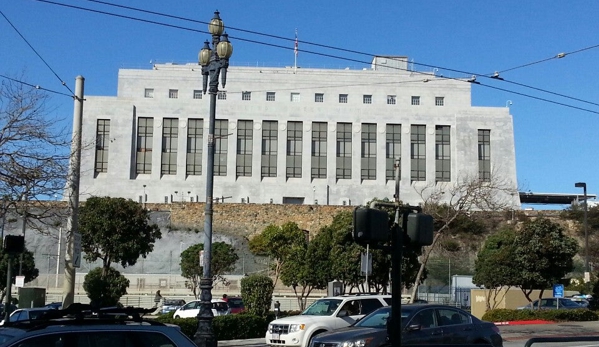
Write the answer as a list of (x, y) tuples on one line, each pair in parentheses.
[(214, 63)]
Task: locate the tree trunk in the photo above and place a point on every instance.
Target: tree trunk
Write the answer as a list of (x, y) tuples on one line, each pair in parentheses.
[(427, 254)]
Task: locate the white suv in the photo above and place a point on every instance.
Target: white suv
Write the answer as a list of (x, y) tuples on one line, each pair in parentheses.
[(323, 315)]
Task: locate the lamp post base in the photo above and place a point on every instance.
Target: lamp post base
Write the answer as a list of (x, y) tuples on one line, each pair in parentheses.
[(204, 336)]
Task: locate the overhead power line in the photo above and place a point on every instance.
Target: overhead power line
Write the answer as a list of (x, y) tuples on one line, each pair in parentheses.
[(557, 56), (34, 86), (322, 46), (43, 60)]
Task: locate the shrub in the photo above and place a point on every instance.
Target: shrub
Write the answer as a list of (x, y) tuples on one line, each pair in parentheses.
[(188, 326), (256, 291), (229, 327), (504, 315), (577, 315), (105, 288)]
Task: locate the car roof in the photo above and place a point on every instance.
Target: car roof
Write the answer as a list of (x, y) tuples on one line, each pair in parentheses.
[(213, 300), (359, 295)]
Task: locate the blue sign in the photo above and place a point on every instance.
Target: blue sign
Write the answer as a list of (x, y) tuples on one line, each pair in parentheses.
[(558, 290)]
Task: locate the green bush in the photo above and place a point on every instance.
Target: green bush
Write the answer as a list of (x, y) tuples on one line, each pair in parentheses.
[(577, 315), (105, 288), (256, 291), (188, 326), (504, 315), (229, 327)]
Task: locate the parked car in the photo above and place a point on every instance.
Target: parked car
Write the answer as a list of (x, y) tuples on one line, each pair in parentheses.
[(420, 324), (192, 308), (326, 314), (54, 305), (581, 301), (25, 314), (170, 305), (235, 304), (82, 326), (551, 304)]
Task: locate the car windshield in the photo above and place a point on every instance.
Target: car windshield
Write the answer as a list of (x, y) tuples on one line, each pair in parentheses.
[(235, 303), (220, 306), (322, 307), (377, 319)]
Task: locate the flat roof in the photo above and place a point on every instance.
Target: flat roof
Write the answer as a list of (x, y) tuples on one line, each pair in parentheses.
[(550, 198)]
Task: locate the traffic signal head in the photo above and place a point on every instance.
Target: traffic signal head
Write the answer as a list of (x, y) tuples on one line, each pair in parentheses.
[(370, 225), (14, 244), (420, 229)]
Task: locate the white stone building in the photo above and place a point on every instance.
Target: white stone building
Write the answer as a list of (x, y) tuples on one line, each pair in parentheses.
[(285, 135)]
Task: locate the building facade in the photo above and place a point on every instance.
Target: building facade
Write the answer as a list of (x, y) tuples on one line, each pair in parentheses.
[(291, 135)]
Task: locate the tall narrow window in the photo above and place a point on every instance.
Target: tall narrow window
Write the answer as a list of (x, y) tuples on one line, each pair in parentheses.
[(170, 137), (442, 153), (269, 148), (418, 152), (484, 155), (245, 142), (195, 134), (102, 142), (145, 134), (368, 152), (393, 150), (294, 149), (270, 96), (221, 145), (343, 160), (319, 150)]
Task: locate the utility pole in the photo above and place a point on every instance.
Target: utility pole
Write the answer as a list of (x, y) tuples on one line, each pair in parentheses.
[(24, 228), (68, 288)]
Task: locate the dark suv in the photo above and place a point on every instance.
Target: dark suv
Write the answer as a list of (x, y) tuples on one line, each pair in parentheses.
[(80, 325)]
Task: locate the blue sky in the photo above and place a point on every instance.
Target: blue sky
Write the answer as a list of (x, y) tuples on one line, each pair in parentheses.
[(556, 145)]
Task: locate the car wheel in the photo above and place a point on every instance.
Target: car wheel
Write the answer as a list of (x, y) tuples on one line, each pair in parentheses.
[(177, 317)]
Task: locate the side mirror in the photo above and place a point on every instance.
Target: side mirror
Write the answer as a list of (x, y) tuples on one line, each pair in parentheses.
[(414, 327), (343, 313)]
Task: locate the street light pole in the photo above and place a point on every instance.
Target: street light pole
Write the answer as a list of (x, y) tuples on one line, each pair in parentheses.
[(587, 272), (213, 62)]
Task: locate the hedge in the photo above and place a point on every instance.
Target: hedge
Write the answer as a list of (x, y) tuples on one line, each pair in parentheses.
[(575, 315), (229, 327)]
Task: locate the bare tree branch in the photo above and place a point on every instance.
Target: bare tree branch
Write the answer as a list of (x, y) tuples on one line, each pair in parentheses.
[(34, 153), (448, 201)]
